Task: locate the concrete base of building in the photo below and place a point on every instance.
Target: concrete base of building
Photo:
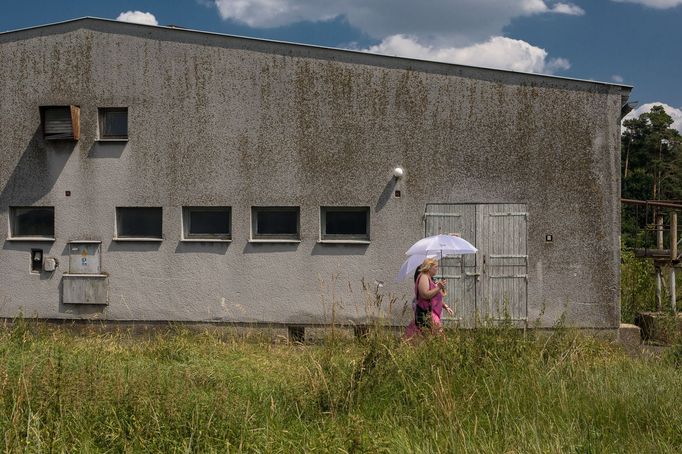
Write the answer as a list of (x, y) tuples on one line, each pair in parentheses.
[(626, 335), (630, 337), (660, 327), (267, 332)]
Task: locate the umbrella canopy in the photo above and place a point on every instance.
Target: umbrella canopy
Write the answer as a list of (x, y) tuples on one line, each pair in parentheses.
[(438, 246), (411, 264), (442, 245)]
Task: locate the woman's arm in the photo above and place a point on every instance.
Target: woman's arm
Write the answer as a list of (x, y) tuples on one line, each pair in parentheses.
[(424, 292)]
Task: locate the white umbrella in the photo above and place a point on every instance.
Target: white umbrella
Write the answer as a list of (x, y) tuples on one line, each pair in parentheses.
[(442, 245), (411, 264), (431, 247)]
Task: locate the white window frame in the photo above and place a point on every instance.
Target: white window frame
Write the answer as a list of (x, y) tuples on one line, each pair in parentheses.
[(101, 116), (344, 238), (117, 224), (11, 225), (275, 238), (205, 237)]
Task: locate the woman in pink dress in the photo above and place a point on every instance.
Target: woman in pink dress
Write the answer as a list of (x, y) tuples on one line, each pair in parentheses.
[(429, 301)]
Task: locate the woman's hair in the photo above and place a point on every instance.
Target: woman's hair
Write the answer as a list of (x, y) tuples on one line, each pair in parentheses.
[(417, 272), (427, 265)]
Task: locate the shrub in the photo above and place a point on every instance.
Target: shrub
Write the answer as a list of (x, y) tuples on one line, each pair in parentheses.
[(638, 286)]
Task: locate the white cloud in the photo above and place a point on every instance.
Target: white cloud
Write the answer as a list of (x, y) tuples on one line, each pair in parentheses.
[(567, 8), (539, 6), (497, 52), (658, 4), (617, 78), (675, 113), (454, 31), (451, 22), (138, 17)]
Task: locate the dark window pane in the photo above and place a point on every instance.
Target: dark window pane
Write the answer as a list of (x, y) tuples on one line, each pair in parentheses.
[(346, 223), (115, 123), (209, 222), (33, 222), (58, 123), (139, 222), (277, 222)]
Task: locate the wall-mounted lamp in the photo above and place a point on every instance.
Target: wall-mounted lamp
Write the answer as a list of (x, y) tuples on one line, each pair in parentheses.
[(398, 172)]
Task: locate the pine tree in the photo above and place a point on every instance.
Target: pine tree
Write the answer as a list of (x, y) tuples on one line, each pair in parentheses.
[(651, 160)]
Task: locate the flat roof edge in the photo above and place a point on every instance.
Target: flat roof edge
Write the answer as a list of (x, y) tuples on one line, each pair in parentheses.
[(312, 46)]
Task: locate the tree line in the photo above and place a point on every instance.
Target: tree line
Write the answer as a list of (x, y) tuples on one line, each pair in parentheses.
[(651, 169)]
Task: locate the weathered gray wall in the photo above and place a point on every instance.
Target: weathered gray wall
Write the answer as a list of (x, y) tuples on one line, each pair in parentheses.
[(216, 120)]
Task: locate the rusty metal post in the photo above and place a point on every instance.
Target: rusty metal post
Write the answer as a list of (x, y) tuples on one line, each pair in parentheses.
[(673, 302), (673, 258), (659, 304), (659, 246), (673, 235)]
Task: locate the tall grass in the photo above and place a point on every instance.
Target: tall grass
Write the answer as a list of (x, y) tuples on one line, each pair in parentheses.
[(492, 390), (638, 286)]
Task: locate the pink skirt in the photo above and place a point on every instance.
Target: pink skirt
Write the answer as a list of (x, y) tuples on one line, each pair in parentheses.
[(413, 330)]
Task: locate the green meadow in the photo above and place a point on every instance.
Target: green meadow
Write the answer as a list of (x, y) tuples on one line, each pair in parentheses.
[(490, 390)]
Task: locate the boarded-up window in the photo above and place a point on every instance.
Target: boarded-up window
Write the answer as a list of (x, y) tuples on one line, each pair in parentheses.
[(113, 123), (139, 222), (344, 223), (61, 122), (35, 222), (206, 223), (277, 223)]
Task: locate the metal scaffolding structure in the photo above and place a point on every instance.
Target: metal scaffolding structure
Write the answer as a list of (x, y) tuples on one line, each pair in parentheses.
[(661, 256)]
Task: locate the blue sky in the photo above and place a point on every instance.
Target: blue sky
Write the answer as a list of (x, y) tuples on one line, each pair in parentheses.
[(634, 42)]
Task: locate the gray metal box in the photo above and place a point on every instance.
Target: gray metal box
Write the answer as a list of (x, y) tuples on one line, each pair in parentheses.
[(82, 289), (85, 257)]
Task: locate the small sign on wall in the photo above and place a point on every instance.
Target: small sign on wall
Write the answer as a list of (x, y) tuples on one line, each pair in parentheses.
[(85, 257)]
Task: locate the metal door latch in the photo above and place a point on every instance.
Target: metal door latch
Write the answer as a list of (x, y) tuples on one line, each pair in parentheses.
[(476, 275)]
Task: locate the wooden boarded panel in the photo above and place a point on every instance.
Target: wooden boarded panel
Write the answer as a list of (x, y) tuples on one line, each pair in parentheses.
[(503, 247), (460, 271), (490, 286), (76, 122)]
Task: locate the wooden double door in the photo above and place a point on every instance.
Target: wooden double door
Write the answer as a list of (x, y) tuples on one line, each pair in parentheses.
[(491, 285)]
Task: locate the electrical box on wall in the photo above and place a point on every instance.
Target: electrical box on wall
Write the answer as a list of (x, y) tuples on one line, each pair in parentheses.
[(36, 260), (85, 283), (91, 289), (85, 257), (50, 264)]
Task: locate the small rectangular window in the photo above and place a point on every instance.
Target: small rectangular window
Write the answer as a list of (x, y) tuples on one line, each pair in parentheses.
[(35, 222), (345, 223), (275, 223), (36, 260), (113, 123), (61, 122), (139, 222), (210, 223)]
